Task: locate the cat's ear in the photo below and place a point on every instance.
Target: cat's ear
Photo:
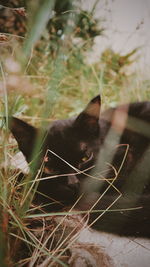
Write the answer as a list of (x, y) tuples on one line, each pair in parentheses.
[(88, 119), (93, 108), (25, 135)]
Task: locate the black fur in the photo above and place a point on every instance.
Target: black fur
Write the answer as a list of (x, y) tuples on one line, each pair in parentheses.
[(114, 146)]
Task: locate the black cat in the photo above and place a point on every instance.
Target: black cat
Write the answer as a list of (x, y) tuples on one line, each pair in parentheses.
[(99, 162)]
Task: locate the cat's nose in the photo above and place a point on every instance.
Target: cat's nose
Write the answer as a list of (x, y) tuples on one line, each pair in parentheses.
[(73, 181)]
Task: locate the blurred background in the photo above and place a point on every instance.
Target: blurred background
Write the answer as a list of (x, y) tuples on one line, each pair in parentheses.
[(64, 53), (126, 27)]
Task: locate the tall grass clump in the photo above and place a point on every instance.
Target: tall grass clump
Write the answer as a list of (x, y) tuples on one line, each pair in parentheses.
[(44, 76)]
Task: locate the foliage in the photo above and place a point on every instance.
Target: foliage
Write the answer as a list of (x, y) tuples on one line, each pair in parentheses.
[(45, 77)]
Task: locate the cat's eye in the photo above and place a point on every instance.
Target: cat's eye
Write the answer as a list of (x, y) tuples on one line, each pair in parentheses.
[(87, 157), (49, 171)]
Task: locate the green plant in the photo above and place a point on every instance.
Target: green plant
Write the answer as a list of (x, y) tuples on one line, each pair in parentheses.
[(43, 88)]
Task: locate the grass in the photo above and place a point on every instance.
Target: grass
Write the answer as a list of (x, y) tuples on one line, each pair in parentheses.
[(41, 88)]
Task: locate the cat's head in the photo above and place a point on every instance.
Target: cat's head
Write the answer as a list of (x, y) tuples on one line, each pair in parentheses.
[(65, 149)]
